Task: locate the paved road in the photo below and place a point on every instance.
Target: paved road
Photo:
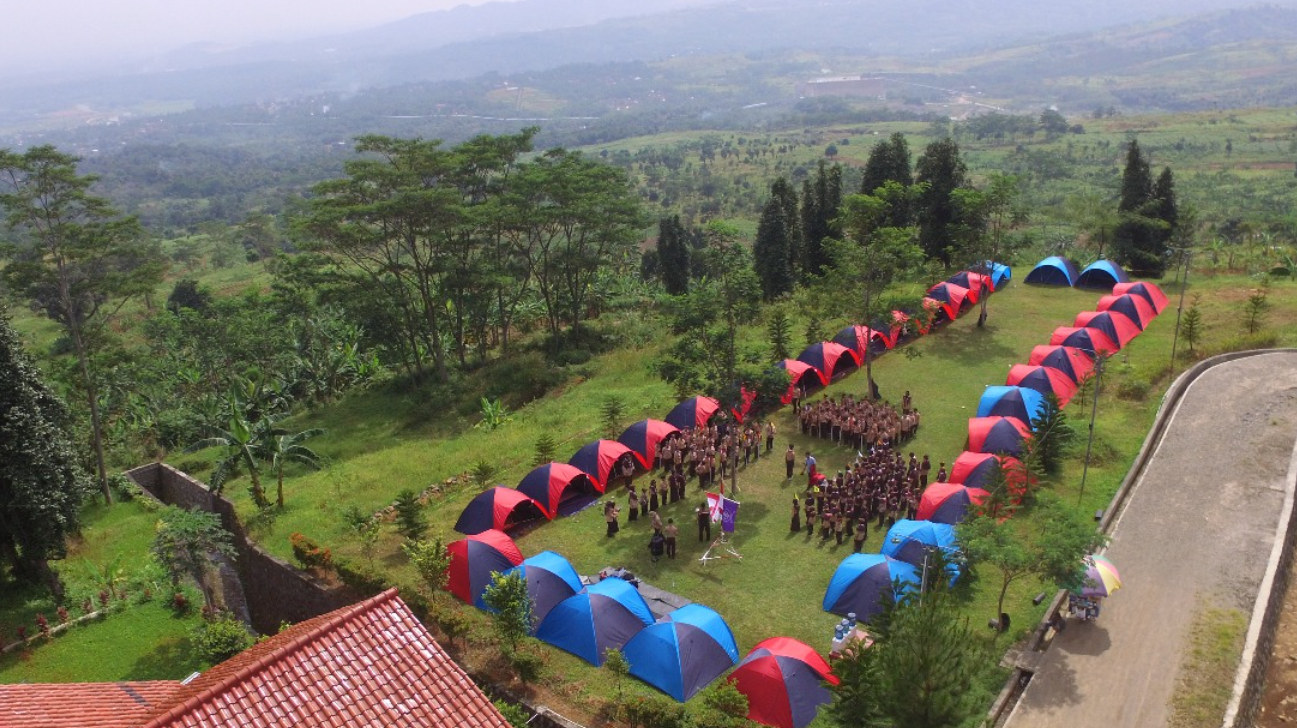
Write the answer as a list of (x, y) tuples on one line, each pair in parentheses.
[(1197, 529)]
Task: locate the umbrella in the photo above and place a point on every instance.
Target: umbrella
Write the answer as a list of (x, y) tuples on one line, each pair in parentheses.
[(783, 690), (498, 508), (474, 559), (1101, 577), (997, 435), (948, 502), (693, 412), (1084, 338), (1149, 291), (863, 582), (1117, 326), (1069, 360), (824, 357), (597, 458), (683, 652), (606, 615), (643, 437), (560, 488), (1009, 401), (1136, 308), (550, 579), (1043, 379)]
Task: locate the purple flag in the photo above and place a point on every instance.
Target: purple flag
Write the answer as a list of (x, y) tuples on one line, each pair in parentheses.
[(729, 514)]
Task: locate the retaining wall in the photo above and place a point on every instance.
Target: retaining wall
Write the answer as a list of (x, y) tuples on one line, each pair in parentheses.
[(274, 591)]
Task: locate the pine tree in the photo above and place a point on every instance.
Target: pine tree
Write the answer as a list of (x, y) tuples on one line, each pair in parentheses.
[(781, 190), (941, 168), (1053, 436), (770, 252), (889, 161), (41, 484), (673, 255), (1191, 326), (1148, 216), (821, 199)]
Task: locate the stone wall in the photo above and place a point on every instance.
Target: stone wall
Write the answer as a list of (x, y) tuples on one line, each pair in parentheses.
[(274, 590)]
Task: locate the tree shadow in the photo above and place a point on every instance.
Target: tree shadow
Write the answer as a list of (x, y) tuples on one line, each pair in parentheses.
[(971, 345), (172, 659), (1053, 687)]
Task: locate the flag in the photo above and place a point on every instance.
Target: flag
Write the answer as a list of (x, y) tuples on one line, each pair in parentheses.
[(729, 514), (714, 506)]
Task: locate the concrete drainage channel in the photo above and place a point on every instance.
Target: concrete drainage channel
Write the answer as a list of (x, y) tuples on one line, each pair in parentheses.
[(1260, 637)]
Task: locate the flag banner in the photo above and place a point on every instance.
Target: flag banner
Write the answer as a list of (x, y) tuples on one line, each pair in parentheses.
[(729, 514), (714, 506)]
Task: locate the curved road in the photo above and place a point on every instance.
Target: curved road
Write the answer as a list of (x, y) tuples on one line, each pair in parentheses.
[(1196, 531)]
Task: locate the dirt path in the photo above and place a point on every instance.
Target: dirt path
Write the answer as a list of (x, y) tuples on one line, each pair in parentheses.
[(1197, 530), (1279, 701)]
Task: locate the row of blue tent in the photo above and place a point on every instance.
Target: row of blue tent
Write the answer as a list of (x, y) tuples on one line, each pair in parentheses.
[(863, 584), (1059, 271)]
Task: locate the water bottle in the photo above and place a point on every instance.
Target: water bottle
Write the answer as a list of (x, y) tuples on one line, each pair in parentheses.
[(851, 616)]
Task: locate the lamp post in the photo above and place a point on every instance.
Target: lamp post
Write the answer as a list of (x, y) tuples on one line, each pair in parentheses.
[(1099, 361)]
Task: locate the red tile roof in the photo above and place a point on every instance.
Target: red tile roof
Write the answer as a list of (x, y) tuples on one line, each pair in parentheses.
[(92, 705), (369, 664)]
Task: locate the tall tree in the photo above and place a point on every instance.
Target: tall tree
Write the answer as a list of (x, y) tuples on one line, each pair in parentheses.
[(941, 168), (278, 447), (242, 446), (1139, 241), (985, 218), (821, 198), (1094, 216), (41, 484), (186, 543), (889, 161), (770, 251), (781, 190), (674, 252), (76, 258)]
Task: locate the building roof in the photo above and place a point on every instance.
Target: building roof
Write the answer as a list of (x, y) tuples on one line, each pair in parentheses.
[(368, 664), (101, 705)]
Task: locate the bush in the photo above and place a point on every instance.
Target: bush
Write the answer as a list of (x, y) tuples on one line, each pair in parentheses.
[(522, 378), (411, 522), (309, 553), (516, 715), (221, 639), (1133, 390), (124, 489), (655, 712), (527, 665)]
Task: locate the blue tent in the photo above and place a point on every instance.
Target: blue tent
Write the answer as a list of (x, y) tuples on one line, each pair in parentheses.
[(683, 652), (863, 581), (1053, 271), (1000, 273), (550, 579), (1101, 274), (606, 615), (1003, 401), (910, 541)]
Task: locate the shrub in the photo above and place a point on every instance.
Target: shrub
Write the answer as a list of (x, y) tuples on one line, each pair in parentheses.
[(43, 625), (516, 715), (655, 712), (527, 665), (180, 604), (545, 449), (431, 560), (63, 615), (410, 519), (310, 553), (483, 473), (365, 580), (124, 489), (221, 639), (1133, 390)]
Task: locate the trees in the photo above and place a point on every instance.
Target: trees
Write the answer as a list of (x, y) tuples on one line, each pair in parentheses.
[(186, 543), (76, 259), (889, 161), (1052, 549), (770, 252), (41, 483), (278, 447), (985, 218), (242, 444), (1053, 437), (1094, 216), (673, 252), (507, 597), (781, 190), (821, 198), (1149, 215), (941, 167)]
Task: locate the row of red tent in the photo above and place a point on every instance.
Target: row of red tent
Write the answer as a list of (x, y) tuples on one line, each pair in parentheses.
[(556, 489), (680, 652), (862, 582)]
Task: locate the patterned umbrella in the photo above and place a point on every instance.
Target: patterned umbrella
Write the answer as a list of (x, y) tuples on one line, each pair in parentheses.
[(1101, 577)]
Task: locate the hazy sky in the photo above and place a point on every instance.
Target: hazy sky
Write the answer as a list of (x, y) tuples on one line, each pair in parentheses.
[(47, 31)]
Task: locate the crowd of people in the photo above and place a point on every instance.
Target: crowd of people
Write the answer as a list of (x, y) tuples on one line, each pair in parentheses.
[(858, 423)]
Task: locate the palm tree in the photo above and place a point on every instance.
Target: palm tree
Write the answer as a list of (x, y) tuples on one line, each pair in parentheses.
[(278, 447), (241, 442)]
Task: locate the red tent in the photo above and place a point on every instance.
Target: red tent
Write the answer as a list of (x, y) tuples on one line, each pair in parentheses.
[(473, 559), (948, 502), (858, 338), (1084, 338), (977, 284), (1117, 326), (746, 398), (693, 412), (974, 468), (796, 370), (997, 435), (597, 459), (1073, 362), (1149, 291), (825, 357), (951, 298), (798, 650), (782, 679), (553, 484), (643, 438), (498, 508), (1137, 308), (1043, 379)]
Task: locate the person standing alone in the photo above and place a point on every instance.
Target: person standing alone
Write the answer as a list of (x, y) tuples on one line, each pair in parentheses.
[(704, 523)]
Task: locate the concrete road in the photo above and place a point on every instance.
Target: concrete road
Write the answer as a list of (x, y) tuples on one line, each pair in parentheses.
[(1197, 529)]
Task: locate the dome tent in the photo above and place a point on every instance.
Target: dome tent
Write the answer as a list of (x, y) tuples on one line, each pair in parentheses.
[(1101, 274), (1053, 271)]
